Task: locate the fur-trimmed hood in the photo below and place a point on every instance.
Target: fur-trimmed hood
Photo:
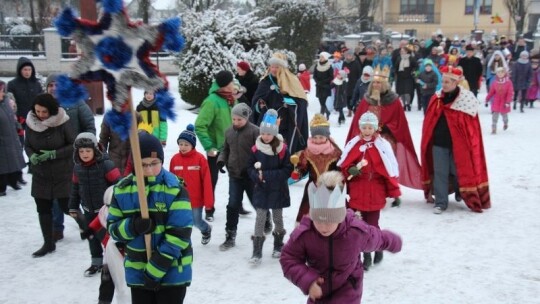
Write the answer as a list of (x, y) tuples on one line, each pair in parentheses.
[(33, 122), (386, 98)]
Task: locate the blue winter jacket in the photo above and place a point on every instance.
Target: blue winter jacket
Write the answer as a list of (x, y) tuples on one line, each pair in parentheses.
[(170, 209)]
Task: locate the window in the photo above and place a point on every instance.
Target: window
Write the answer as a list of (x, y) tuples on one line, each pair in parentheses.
[(415, 7), (485, 7)]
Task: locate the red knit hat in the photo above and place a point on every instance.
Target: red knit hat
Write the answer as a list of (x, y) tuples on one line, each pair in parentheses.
[(244, 65)]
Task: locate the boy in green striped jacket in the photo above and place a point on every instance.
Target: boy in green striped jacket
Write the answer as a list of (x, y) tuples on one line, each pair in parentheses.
[(164, 278)]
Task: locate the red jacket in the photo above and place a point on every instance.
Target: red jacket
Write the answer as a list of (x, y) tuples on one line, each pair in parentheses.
[(369, 189), (305, 80), (192, 167)]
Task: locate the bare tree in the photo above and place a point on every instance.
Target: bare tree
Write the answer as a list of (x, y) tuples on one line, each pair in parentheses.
[(366, 12), (201, 5), (518, 12)]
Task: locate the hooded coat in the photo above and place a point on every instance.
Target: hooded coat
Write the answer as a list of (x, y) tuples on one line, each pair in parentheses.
[(24, 90), (10, 146), (308, 256), (52, 178)]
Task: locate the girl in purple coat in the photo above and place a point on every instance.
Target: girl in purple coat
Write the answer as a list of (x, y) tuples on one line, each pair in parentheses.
[(322, 256), (501, 91)]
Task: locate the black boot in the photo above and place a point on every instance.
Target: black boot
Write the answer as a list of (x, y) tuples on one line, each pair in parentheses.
[(278, 244), (258, 242), (268, 224), (45, 222), (378, 257), (230, 238), (367, 261)]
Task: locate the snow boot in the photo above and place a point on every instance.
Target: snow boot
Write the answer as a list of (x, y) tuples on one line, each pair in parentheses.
[(378, 257), (46, 224), (230, 238), (258, 242), (278, 243), (505, 127), (268, 224), (457, 196), (209, 214), (493, 130), (367, 261), (243, 211), (92, 270), (58, 235), (206, 236)]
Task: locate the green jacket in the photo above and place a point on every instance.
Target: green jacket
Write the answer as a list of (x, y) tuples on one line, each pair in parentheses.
[(213, 120)]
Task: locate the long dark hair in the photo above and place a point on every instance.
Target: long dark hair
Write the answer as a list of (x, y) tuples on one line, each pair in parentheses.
[(274, 144)]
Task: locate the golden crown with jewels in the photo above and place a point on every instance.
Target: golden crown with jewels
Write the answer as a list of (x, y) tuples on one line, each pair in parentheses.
[(381, 74)]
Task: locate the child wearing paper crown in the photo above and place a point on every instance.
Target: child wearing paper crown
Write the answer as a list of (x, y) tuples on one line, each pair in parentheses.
[(269, 169), (371, 168), (93, 173), (321, 256), (321, 155), (149, 111), (192, 167), (502, 92)]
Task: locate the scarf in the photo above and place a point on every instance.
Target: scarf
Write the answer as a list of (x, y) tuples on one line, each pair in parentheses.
[(318, 149), (148, 104), (266, 148), (229, 96), (404, 62), (34, 123), (323, 66)]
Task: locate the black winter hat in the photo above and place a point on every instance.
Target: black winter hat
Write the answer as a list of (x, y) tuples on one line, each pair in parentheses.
[(150, 146), (223, 78)]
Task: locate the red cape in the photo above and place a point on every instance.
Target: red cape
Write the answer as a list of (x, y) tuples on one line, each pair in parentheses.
[(393, 118), (468, 150)]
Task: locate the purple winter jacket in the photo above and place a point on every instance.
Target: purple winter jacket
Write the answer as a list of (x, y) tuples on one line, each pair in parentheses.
[(308, 255)]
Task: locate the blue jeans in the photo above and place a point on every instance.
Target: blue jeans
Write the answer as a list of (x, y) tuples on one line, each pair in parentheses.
[(198, 221), (237, 186), (58, 217), (443, 167)]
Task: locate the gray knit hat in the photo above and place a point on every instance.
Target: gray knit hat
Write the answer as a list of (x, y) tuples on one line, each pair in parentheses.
[(319, 126), (241, 110), (327, 199), (85, 140), (270, 123)]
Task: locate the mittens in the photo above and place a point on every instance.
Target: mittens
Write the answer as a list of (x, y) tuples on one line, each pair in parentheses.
[(141, 225), (354, 171)]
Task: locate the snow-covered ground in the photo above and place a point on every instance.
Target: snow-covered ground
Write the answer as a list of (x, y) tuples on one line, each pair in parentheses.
[(456, 257)]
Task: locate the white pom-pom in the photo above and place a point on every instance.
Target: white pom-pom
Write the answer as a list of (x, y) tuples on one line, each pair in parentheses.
[(257, 165)]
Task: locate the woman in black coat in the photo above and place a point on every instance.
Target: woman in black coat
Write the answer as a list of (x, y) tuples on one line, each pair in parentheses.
[(323, 76), (405, 67), (10, 147), (49, 146)]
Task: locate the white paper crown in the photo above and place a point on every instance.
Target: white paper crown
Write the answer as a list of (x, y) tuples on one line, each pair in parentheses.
[(322, 197)]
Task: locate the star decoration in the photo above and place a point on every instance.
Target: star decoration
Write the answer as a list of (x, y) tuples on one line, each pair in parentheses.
[(116, 51)]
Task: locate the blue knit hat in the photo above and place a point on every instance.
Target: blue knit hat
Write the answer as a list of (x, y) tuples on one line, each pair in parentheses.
[(270, 123), (150, 146), (188, 135)]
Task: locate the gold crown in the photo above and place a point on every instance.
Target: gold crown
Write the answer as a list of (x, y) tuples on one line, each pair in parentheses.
[(381, 74)]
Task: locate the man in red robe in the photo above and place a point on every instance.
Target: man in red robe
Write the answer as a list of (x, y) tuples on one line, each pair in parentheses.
[(393, 126), (452, 147)]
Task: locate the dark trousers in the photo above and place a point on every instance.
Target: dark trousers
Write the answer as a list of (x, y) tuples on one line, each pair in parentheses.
[(106, 287), (371, 217), (214, 172), (237, 187), (58, 217), (168, 295), (521, 96), (94, 244), (45, 206), (10, 179), (425, 102)]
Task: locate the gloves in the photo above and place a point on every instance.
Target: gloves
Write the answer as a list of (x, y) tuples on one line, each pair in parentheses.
[(354, 171), (141, 226), (486, 104), (87, 234), (149, 283), (396, 202), (35, 159), (220, 165), (47, 155), (295, 175)]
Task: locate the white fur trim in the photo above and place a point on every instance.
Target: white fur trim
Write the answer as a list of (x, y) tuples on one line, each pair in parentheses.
[(347, 149), (388, 157), (466, 102)]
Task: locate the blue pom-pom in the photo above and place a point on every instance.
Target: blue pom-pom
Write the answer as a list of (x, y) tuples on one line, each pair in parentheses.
[(190, 127), (165, 104), (112, 6), (66, 23), (69, 93), (119, 123), (113, 53), (173, 40)]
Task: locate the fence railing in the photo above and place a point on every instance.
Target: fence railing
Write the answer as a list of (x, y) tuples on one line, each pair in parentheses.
[(22, 45), (396, 18)]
